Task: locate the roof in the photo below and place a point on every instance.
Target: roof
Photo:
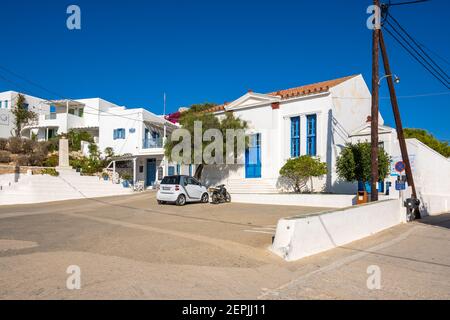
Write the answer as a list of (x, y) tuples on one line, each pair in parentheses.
[(304, 90)]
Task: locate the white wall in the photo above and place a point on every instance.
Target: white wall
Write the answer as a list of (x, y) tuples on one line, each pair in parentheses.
[(308, 200), (351, 105), (299, 237), (127, 119)]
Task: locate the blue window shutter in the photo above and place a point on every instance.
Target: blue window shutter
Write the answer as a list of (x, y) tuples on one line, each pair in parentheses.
[(114, 134), (311, 136), (295, 137), (171, 171)]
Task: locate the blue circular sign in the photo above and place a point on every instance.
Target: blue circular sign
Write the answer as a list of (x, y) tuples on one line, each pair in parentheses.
[(400, 166)]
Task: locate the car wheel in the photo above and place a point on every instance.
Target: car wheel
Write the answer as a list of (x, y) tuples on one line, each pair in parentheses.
[(161, 202), (181, 200), (205, 198)]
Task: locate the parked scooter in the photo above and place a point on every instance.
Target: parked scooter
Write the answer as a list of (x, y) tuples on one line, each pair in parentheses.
[(220, 195)]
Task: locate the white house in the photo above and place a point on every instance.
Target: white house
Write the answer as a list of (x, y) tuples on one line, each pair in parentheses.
[(315, 119), (135, 133), (7, 101)]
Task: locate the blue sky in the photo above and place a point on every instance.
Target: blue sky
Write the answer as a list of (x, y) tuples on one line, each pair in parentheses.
[(130, 52)]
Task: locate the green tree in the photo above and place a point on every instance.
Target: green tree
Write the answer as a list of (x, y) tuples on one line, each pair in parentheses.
[(75, 137), (198, 112), (22, 116), (427, 138), (300, 170), (354, 163), (109, 153)]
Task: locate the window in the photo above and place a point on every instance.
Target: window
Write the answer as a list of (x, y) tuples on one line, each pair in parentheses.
[(295, 137), (171, 180), (6, 104), (381, 145), (0, 104), (25, 106), (311, 128), (119, 134), (171, 171), (155, 135), (178, 169)]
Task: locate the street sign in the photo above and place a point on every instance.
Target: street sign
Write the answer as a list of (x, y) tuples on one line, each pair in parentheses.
[(399, 166), (400, 185)]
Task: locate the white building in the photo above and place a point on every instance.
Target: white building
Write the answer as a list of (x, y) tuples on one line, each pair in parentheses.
[(136, 133), (8, 100), (315, 120)]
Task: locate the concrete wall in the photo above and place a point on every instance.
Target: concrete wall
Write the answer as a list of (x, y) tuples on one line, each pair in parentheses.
[(299, 237), (431, 176), (309, 200)]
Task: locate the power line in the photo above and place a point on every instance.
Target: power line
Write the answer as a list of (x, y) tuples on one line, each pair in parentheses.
[(417, 44), (59, 95), (436, 72), (407, 2), (435, 53), (416, 58)]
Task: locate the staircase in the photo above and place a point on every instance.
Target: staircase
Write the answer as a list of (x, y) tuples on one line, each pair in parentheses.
[(250, 186), (68, 185)]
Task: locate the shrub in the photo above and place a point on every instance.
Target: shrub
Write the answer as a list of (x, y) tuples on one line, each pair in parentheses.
[(301, 169), (36, 158), (50, 171), (15, 145), (51, 161), (127, 177), (3, 143), (53, 144), (43, 146), (22, 160), (354, 163), (5, 156), (28, 146)]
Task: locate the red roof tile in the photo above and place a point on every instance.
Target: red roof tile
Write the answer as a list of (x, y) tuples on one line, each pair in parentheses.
[(298, 91)]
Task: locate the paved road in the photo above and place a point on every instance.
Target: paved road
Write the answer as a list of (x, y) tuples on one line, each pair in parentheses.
[(130, 248)]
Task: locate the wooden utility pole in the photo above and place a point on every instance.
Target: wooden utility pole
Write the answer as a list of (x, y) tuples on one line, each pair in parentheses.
[(375, 100), (398, 121)]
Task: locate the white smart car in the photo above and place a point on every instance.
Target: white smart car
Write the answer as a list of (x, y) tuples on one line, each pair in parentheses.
[(180, 189)]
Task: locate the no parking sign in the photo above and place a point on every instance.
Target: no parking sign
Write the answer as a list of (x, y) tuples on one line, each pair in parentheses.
[(399, 166)]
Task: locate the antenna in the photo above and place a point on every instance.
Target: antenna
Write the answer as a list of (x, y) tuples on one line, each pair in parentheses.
[(164, 104)]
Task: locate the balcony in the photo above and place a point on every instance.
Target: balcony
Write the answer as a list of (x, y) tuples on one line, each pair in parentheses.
[(152, 143), (51, 116)]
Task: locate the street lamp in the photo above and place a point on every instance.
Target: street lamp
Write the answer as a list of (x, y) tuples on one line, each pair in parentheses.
[(396, 79)]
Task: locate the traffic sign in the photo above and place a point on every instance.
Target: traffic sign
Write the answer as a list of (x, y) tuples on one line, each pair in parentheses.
[(399, 166), (400, 185)]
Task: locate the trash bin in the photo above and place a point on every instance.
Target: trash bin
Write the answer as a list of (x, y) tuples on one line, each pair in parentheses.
[(362, 197)]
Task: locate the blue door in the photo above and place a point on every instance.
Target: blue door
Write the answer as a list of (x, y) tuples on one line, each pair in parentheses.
[(253, 157), (151, 172)]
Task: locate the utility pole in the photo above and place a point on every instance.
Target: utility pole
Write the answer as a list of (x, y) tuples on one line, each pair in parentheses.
[(398, 121), (375, 100)]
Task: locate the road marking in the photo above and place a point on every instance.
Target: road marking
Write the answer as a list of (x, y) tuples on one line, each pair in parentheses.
[(226, 245), (259, 231), (339, 263)]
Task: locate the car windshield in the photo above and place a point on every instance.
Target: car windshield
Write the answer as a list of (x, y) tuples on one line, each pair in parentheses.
[(171, 180)]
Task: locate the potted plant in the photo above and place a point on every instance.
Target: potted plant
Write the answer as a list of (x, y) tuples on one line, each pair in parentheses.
[(105, 176), (126, 179)]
